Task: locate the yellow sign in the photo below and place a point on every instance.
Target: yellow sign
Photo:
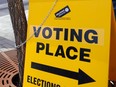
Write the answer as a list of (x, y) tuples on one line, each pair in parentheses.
[(71, 43)]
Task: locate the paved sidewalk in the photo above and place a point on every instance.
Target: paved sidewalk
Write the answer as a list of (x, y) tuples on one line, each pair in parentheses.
[(4, 7), (7, 40)]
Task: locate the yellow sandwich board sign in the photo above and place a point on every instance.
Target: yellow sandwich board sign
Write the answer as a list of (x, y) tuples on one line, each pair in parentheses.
[(71, 48)]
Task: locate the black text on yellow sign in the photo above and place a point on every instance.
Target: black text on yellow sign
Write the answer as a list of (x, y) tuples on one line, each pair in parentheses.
[(70, 49), (74, 35)]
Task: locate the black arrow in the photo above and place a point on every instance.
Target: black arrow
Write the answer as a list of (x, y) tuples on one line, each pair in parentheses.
[(80, 76)]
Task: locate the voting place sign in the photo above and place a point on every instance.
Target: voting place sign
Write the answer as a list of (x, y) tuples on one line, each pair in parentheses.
[(71, 48)]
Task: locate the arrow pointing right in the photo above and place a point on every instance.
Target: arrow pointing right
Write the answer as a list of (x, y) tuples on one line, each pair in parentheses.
[(80, 76), (84, 78)]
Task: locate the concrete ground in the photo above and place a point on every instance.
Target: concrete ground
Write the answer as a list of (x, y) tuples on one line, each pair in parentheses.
[(7, 40)]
